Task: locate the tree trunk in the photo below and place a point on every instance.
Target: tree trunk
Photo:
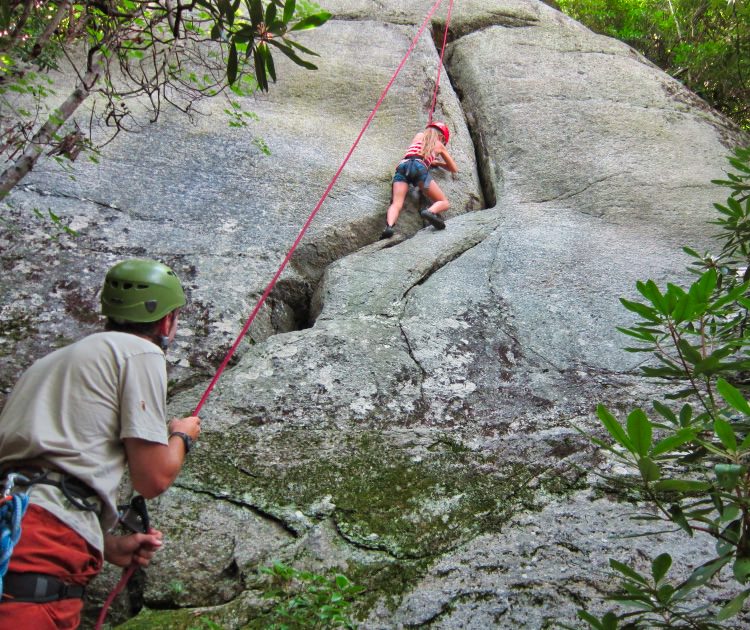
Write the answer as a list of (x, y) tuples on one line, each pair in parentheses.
[(41, 140)]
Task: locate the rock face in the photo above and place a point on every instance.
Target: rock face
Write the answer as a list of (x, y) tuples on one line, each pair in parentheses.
[(404, 413)]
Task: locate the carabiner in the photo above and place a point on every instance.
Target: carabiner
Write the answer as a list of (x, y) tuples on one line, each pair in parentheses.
[(10, 481)]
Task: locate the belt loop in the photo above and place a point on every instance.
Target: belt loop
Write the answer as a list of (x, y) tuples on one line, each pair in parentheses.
[(40, 589)]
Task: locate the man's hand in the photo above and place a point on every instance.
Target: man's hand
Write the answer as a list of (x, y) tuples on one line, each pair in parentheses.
[(190, 425), (132, 549)]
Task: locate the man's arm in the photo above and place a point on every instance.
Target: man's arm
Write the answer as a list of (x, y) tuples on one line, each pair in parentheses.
[(154, 467)]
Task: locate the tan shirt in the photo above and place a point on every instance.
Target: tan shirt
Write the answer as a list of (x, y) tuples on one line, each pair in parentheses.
[(73, 408)]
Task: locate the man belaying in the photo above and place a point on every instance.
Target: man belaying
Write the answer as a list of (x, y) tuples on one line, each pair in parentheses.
[(73, 422), (424, 152)]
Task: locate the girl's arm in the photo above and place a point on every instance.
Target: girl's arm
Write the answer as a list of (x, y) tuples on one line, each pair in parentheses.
[(447, 162)]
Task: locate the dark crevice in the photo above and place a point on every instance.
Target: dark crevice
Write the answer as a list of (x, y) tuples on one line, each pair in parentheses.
[(244, 504), (485, 167), (462, 28), (410, 351), (31, 188), (437, 266)]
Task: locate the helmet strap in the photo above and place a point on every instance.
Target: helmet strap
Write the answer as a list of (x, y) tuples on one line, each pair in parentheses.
[(163, 342)]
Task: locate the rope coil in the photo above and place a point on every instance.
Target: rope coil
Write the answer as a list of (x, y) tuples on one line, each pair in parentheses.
[(12, 511)]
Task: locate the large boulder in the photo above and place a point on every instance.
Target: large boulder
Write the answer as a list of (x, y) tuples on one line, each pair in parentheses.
[(406, 412)]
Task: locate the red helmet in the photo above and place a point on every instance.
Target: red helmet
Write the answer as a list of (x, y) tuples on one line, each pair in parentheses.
[(442, 128)]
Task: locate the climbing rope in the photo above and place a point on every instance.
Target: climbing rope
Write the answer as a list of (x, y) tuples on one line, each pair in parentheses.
[(12, 510), (127, 573), (440, 65), (288, 257)]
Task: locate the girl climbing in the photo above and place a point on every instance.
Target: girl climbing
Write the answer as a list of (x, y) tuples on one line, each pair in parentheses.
[(427, 150)]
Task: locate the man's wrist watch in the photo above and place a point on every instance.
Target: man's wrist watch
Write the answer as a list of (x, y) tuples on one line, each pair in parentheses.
[(186, 440)]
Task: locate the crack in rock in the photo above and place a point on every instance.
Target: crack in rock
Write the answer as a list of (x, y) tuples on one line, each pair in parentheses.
[(291, 528), (574, 193), (31, 188), (410, 350)]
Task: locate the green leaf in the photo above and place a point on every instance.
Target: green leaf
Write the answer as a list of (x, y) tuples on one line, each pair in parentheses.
[(260, 70), (660, 566), (270, 13), (705, 286), (302, 48), (685, 309), (703, 574), (681, 485), (590, 619), (614, 427), (638, 333), (672, 442), (650, 471), (741, 569), (728, 475), (256, 12), (664, 593), (734, 606), (651, 292), (725, 433), (627, 571), (678, 517), (246, 33), (643, 310), (265, 51), (691, 353), (665, 411), (312, 21), (292, 55), (341, 581), (691, 252), (731, 296), (730, 536), (289, 7), (733, 396), (639, 431), (232, 64), (686, 414)]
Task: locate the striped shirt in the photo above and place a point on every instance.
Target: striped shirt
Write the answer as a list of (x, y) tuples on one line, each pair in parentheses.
[(415, 151)]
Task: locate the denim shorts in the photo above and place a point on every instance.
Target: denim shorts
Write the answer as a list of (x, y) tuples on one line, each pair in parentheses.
[(414, 172)]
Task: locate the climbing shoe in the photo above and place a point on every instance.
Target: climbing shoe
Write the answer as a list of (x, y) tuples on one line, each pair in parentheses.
[(387, 232), (432, 219)]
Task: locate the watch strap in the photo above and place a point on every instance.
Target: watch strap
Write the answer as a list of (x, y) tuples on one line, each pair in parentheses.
[(186, 440)]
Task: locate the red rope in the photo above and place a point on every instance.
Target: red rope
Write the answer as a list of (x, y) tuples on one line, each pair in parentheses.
[(288, 257), (127, 573), (440, 65)]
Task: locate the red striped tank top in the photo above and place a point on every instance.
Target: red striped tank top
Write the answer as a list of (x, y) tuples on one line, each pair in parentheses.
[(415, 151)]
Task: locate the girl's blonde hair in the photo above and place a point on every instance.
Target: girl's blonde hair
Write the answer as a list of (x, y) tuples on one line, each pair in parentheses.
[(430, 140)]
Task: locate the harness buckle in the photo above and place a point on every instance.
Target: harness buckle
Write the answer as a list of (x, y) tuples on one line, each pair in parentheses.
[(10, 481)]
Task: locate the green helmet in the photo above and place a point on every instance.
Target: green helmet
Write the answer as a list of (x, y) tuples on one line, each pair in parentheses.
[(140, 290)]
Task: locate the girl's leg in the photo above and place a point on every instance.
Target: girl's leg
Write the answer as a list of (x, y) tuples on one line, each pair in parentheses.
[(437, 197), (397, 202)]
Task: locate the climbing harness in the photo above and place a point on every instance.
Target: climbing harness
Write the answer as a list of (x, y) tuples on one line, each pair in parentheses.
[(35, 587), (261, 301)]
